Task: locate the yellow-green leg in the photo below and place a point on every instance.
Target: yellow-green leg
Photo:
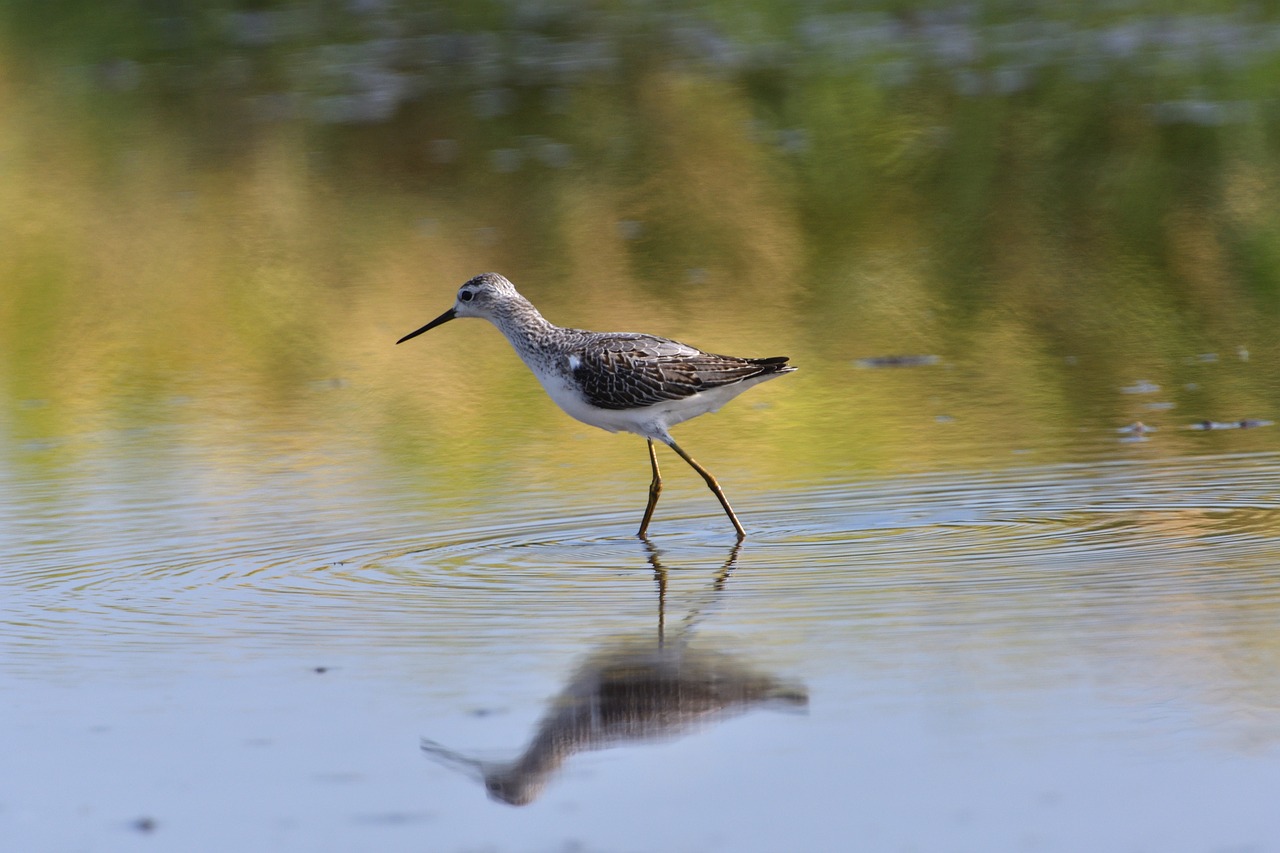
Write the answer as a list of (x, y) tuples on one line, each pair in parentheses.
[(655, 489), (711, 482)]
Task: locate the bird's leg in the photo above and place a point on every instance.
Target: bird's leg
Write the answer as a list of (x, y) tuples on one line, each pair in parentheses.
[(711, 482), (655, 489)]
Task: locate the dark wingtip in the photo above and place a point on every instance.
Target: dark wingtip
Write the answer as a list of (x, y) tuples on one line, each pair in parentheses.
[(776, 364)]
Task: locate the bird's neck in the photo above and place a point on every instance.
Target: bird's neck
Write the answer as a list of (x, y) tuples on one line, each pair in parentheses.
[(524, 327)]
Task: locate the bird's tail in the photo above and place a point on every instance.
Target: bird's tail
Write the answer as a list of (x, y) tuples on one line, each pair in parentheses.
[(776, 364)]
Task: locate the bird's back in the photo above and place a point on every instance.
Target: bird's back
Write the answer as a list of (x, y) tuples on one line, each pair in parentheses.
[(628, 370)]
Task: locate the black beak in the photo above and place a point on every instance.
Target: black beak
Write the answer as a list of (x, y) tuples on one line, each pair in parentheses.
[(439, 321)]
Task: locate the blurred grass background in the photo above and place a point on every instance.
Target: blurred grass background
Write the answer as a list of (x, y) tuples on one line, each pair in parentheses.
[(214, 214)]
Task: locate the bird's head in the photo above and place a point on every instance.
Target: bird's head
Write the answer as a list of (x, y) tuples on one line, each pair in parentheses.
[(481, 296)]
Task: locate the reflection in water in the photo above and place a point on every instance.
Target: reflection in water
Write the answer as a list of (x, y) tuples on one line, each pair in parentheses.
[(629, 691), (696, 612)]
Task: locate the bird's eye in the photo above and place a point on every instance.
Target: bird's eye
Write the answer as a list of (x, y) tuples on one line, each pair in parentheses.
[(465, 295)]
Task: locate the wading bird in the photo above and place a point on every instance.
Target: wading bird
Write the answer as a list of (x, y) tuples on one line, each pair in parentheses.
[(617, 381)]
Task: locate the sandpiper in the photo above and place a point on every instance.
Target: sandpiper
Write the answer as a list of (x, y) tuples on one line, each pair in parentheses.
[(617, 381)]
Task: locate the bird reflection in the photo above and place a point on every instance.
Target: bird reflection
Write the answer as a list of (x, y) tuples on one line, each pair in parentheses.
[(632, 691)]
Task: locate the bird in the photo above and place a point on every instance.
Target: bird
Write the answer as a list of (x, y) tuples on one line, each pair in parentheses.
[(617, 381)]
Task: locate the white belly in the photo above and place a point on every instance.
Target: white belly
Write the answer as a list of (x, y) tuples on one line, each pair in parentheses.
[(650, 421)]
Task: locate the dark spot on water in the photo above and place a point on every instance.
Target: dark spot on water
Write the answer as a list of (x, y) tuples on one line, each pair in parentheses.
[(393, 818), (144, 824), (880, 361), (1246, 423)]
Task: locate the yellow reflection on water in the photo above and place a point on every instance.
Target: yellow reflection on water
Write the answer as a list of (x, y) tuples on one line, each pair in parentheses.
[(258, 294)]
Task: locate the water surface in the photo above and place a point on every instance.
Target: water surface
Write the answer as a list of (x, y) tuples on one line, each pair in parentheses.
[(1066, 656), (271, 582)]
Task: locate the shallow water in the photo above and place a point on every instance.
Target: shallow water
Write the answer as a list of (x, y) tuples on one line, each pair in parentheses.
[(1070, 656), (271, 582)]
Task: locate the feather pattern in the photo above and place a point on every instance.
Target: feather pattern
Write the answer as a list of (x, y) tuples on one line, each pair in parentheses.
[(633, 371)]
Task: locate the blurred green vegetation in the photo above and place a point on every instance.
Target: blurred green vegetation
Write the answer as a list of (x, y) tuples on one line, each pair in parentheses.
[(239, 203)]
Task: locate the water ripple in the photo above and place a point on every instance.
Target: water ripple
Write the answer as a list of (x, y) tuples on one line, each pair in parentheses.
[(822, 555)]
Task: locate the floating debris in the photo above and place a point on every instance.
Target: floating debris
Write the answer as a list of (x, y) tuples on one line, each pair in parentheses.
[(1135, 432), (1247, 423), (1140, 387), (878, 361), (1136, 428)]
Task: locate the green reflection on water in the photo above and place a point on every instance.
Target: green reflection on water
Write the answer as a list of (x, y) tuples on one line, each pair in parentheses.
[(223, 222)]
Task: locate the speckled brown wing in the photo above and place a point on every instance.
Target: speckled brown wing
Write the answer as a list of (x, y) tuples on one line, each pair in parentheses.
[(631, 371)]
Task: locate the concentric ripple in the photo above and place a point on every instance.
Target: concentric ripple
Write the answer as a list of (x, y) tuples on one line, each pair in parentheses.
[(362, 565)]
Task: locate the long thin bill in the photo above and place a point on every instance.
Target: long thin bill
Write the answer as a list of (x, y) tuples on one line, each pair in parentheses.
[(441, 320)]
